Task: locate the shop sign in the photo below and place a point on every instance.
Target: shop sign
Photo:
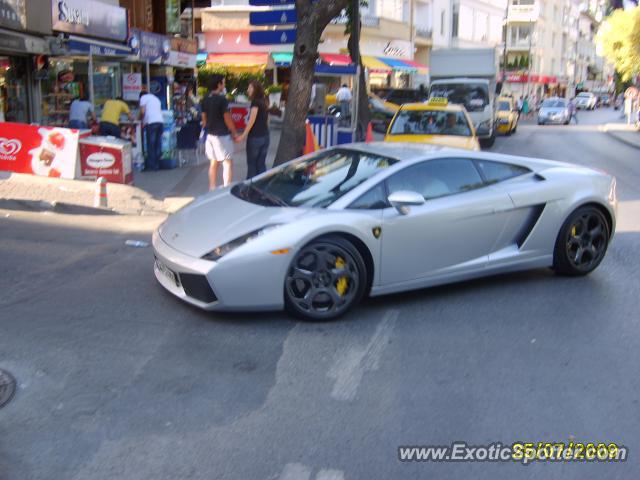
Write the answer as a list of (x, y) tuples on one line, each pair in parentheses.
[(182, 60), (97, 49), (185, 45), (12, 14), (89, 17), (149, 46), (44, 151), (131, 86), (396, 48)]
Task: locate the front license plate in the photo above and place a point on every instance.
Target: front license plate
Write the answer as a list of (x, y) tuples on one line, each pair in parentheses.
[(167, 272)]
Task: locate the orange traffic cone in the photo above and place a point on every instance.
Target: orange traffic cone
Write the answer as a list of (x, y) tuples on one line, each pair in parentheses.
[(310, 144), (369, 137)]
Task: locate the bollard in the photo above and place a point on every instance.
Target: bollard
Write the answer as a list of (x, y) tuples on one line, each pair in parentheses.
[(100, 197)]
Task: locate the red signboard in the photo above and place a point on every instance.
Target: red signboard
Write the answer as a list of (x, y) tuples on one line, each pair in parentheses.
[(240, 114), (45, 151), (100, 157)]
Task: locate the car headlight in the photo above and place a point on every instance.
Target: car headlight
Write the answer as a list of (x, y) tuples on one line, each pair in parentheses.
[(486, 124), (219, 252)]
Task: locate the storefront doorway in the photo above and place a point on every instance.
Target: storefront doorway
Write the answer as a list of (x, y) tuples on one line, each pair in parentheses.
[(14, 97)]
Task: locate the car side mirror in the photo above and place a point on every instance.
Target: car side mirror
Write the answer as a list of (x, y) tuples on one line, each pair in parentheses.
[(403, 199)]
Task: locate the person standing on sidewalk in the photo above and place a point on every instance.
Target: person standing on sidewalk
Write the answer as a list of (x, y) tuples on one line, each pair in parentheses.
[(573, 113), (525, 107), (110, 119), (80, 111), (344, 100), (257, 131), (221, 132), (152, 122)]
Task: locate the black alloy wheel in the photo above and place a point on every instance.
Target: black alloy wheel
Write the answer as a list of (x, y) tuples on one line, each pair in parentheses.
[(582, 242), (325, 279)]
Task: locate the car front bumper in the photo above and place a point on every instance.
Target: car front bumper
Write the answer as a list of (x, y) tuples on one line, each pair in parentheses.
[(243, 284), (553, 119)]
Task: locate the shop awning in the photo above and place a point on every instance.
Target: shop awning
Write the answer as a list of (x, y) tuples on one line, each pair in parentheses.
[(97, 47), (374, 65), (282, 59), (240, 62), (422, 69), (398, 64), (336, 59)]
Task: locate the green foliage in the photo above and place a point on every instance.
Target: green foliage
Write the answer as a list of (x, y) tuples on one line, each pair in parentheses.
[(236, 82), (347, 27), (273, 89), (619, 38)]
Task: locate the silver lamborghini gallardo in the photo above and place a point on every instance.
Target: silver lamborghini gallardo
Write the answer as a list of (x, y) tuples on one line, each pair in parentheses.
[(317, 234)]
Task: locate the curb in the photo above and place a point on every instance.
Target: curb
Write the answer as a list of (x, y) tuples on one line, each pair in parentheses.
[(54, 207), (624, 140)]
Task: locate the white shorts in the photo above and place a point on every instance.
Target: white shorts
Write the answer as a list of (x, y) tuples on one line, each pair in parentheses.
[(218, 148)]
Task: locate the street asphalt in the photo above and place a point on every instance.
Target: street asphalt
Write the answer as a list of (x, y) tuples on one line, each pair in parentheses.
[(119, 380)]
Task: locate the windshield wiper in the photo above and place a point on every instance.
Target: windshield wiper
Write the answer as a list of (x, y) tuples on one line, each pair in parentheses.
[(272, 198)]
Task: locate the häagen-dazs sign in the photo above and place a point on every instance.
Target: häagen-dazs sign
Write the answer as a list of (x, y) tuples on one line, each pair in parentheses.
[(90, 18)]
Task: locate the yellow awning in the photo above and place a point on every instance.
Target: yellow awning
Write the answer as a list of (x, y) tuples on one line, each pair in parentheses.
[(374, 65)]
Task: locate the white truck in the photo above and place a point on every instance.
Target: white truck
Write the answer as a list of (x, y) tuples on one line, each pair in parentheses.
[(468, 76)]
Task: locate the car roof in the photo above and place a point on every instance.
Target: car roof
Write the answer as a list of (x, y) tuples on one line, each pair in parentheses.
[(450, 107)]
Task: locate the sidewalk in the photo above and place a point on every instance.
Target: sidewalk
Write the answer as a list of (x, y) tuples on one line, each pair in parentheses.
[(627, 134), (153, 193)]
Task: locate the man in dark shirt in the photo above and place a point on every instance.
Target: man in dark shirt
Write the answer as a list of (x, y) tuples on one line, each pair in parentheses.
[(221, 132)]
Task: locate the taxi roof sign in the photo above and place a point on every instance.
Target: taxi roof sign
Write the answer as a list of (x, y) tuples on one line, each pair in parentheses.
[(438, 101)]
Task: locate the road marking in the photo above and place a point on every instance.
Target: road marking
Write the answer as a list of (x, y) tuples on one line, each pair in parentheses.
[(330, 475), (295, 471), (349, 368)]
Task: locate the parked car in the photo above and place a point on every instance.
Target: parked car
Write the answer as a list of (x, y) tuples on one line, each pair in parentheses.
[(604, 100), (381, 113), (554, 110), (436, 122), (586, 100), (318, 234), (508, 115), (398, 96)]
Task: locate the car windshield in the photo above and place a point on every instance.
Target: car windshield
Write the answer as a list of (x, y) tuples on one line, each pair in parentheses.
[(430, 122), (315, 181), (474, 96), (553, 103), (504, 106)]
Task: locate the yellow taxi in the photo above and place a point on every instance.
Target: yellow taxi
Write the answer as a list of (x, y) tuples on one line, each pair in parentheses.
[(436, 122), (508, 115)]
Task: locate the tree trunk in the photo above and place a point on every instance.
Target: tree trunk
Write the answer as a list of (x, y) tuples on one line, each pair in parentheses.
[(364, 112), (312, 20)]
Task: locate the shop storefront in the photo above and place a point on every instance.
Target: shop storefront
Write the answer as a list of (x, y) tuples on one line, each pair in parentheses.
[(87, 58), (19, 65)]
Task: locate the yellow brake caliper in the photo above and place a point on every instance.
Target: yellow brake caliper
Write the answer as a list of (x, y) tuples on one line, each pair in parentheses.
[(343, 282)]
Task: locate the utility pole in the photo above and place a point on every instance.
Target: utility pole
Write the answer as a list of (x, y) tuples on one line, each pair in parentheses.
[(504, 50), (355, 31)]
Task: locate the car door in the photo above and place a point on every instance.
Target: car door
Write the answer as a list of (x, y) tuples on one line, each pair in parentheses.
[(453, 231)]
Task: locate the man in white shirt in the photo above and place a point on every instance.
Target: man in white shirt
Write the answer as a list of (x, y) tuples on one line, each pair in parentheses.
[(344, 100), (81, 110), (152, 122)]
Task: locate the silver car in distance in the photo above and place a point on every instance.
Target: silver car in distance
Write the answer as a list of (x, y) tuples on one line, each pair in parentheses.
[(318, 233), (554, 110)]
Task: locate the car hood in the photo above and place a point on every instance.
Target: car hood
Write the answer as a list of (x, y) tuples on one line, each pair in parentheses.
[(454, 141), (217, 218), (504, 114)]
